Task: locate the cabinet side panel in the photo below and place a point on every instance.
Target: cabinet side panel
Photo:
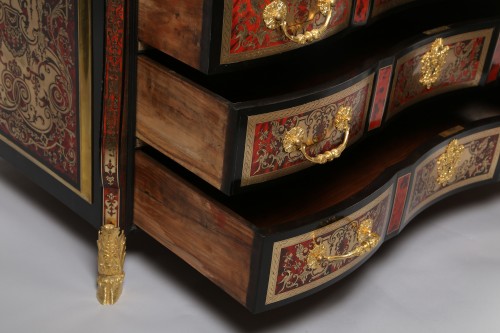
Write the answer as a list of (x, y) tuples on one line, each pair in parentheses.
[(173, 27)]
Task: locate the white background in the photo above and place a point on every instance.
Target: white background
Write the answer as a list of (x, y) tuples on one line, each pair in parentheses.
[(442, 274)]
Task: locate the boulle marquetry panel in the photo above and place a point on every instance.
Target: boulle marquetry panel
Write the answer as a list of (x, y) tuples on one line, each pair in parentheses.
[(463, 67), (478, 162), (265, 157), (245, 35), (45, 88), (290, 274)]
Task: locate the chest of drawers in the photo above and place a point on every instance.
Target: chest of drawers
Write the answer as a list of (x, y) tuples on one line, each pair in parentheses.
[(222, 173)]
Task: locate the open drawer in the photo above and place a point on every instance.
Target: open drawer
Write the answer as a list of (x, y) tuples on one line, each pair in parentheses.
[(237, 131), (272, 246), (214, 36)]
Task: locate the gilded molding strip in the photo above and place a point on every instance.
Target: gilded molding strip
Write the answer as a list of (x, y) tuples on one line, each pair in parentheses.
[(46, 93), (313, 116), (290, 274), (477, 163)]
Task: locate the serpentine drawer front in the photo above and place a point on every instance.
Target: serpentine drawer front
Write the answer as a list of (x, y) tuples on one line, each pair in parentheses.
[(272, 246), (216, 35), (233, 135)]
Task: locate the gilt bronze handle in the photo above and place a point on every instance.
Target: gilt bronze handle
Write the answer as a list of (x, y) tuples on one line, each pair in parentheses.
[(275, 13), (295, 138), (366, 238)]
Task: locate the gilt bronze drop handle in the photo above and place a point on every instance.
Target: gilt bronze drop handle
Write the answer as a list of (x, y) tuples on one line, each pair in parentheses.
[(294, 140), (366, 238), (275, 13)]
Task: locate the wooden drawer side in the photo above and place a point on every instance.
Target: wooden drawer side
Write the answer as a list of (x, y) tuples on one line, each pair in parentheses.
[(175, 28), (181, 120), (205, 234)]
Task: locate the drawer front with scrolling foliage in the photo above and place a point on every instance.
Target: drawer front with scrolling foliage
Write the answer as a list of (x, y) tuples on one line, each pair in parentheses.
[(462, 67), (245, 35), (265, 157), (292, 272), (477, 162)]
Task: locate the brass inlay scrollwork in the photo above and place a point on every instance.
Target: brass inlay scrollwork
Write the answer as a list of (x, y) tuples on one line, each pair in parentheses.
[(295, 138), (447, 163), (433, 62), (110, 259), (275, 13), (367, 239)]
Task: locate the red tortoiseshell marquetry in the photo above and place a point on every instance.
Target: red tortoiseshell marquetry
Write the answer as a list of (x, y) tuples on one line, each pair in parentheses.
[(478, 162), (361, 11), (399, 203), (380, 97), (495, 64), (265, 157), (463, 68), (290, 273), (245, 35)]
